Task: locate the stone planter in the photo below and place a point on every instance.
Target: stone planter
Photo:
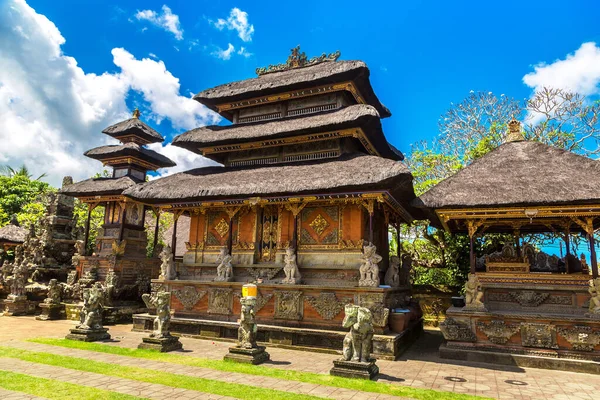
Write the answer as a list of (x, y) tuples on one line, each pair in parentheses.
[(399, 322)]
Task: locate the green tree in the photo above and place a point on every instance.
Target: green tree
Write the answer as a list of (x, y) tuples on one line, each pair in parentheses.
[(23, 196)]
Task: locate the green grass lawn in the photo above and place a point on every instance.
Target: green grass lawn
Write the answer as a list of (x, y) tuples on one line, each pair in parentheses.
[(52, 389), (227, 366), (236, 390)]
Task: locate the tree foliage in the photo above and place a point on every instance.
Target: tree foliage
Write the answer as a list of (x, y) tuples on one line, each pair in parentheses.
[(23, 196)]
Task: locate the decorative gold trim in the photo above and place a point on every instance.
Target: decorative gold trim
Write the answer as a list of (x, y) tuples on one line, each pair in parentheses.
[(357, 133), (296, 94), (296, 60)]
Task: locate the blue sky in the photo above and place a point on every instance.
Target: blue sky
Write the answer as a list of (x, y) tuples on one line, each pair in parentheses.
[(422, 56)]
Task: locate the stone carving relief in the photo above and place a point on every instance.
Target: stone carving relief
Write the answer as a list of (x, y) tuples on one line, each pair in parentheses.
[(167, 266), (498, 331), (582, 338), (189, 296), (248, 327), (358, 342), (292, 273), (327, 304), (266, 274), (224, 269), (54, 292), (457, 330), (93, 304), (220, 301), (473, 294), (261, 300), (538, 335), (375, 303), (529, 298), (288, 305), (594, 291), (369, 270)]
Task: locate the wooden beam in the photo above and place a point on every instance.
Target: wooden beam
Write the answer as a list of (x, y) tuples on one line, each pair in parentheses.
[(593, 256)]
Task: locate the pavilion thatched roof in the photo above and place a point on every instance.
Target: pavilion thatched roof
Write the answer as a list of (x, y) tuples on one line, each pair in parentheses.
[(299, 78), (355, 116), (12, 234), (134, 126), (99, 186), (129, 150), (356, 171), (519, 173)]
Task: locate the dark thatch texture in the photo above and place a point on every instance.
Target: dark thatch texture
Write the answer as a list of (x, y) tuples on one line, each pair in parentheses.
[(301, 78), (129, 150), (133, 126), (349, 172), (99, 186), (12, 234), (359, 115), (519, 174)]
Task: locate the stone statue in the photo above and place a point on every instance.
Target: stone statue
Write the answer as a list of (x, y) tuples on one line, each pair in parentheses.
[(392, 275), (359, 341), (160, 301), (292, 274), (473, 294), (167, 267), (594, 291), (225, 269), (405, 270), (54, 292), (18, 280), (93, 305), (111, 287), (248, 328), (369, 270)]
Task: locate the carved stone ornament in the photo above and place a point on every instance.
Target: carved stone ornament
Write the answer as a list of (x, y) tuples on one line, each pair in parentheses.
[(369, 270), (167, 266), (582, 338), (327, 304), (261, 300), (594, 291), (160, 301), (529, 298), (538, 335), (457, 330), (358, 342), (473, 295), (224, 269), (392, 275), (265, 274), (288, 305), (292, 273), (220, 301), (298, 59), (189, 296), (498, 331)]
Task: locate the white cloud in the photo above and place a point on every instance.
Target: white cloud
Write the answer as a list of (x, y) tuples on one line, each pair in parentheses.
[(184, 159), (244, 52), (51, 110), (238, 21), (165, 20), (224, 54), (578, 72)]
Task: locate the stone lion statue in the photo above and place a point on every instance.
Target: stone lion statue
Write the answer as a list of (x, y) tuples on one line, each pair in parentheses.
[(248, 328), (369, 270), (224, 269), (359, 341), (292, 274)]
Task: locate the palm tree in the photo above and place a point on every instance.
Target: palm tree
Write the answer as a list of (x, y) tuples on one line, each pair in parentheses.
[(9, 171)]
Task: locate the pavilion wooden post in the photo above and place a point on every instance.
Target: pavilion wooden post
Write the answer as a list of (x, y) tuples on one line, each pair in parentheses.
[(567, 247), (156, 228), (398, 239), (231, 211), (517, 234), (176, 216), (593, 255), (472, 227), (123, 219), (87, 228), (295, 209), (370, 206)]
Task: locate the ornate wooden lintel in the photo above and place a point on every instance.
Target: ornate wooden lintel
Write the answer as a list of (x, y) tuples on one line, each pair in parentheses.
[(131, 161)]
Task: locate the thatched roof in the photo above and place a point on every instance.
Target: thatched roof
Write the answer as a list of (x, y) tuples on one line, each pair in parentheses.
[(129, 150), (300, 78), (134, 126), (522, 173), (357, 171), (359, 115), (12, 234), (99, 186)]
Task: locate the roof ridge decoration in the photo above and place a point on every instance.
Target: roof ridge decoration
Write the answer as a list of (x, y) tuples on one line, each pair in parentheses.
[(514, 131), (298, 59), (136, 113)]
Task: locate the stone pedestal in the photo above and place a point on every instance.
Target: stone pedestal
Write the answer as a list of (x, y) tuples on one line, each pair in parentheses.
[(88, 335), (255, 356), (162, 344), (16, 305), (354, 369), (51, 312)]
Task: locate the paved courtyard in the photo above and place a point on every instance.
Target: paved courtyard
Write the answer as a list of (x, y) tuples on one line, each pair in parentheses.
[(419, 367)]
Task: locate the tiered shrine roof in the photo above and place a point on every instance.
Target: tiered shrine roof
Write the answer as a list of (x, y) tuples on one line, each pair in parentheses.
[(133, 129), (352, 76), (110, 152), (100, 186), (361, 116)]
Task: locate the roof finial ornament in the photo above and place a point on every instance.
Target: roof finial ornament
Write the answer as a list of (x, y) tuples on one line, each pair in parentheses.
[(298, 59), (136, 113), (514, 131)]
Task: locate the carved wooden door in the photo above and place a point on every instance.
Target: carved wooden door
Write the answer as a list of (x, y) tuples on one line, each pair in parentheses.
[(268, 242)]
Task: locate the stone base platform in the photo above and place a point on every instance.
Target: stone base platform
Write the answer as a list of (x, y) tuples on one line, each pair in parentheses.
[(520, 360), (88, 335), (388, 346), (162, 344), (18, 306), (51, 312), (117, 314), (354, 369), (254, 356)]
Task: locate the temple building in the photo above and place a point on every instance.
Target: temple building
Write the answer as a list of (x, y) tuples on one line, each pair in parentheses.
[(523, 306), (121, 244), (301, 204), (11, 235)]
